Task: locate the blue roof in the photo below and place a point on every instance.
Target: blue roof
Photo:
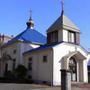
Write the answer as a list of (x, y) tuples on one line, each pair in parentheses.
[(30, 36)]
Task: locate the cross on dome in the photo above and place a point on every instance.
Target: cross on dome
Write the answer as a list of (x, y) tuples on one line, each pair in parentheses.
[(30, 23)]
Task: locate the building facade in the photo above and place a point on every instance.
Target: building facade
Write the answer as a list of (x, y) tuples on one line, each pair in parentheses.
[(45, 58), (62, 51), (12, 51)]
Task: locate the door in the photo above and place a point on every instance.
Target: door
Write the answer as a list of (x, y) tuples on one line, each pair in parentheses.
[(73, 69)]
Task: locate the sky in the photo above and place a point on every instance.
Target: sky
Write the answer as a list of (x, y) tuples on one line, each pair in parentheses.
[(15, 13)]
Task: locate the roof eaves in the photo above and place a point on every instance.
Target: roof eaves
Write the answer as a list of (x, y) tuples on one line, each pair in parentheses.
[(44, 47), (70, 28), (10, 43), (36, 49)]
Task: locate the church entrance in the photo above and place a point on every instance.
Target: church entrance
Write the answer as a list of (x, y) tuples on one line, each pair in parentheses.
[(73, 69)]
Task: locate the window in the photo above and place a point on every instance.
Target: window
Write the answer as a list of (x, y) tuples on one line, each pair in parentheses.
[(6, 67), (44, 59), (52, 37), (30, 63), (71, 37), (14, 51), (14, 64)]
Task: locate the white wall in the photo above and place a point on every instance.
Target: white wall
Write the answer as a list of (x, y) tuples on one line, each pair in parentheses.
[(60, 51), (85, 68), (25, 47), (20, 48), (41, 71), (65, 35), (44, 72)]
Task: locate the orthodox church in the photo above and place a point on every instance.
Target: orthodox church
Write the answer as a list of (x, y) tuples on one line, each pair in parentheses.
[(12, 50), (61, 51), (44, 57)]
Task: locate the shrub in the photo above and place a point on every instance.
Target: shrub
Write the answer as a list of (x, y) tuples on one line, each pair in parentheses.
[(9, 75), (21, 72)]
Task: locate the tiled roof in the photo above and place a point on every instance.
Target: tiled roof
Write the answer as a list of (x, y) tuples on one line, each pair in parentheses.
[(30, 36)]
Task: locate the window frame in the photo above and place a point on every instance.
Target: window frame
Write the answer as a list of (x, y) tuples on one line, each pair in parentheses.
[(14, 51), (30, 64), (71, 39), (45, 59), (52, 37)]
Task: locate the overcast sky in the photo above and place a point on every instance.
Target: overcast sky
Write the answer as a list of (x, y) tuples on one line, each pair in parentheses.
[(15, 13)]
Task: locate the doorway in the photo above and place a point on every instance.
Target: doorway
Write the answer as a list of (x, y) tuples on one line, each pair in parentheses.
[(73, 69)]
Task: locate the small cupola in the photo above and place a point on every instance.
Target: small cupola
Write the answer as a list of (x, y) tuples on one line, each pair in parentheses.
[(30, 23)]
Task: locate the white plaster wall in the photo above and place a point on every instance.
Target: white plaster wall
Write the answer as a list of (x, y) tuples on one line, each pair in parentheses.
[(41, 71), (78, 71), (85, 68), (9, 50), (65, 35), (25, 47), (85, 73), (20, 48), (60, 51), (6, 39)]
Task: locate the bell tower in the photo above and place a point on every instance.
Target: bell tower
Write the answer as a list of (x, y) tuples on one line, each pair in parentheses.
[(63, 30)]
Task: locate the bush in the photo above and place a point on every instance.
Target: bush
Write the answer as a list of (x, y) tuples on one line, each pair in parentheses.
[(19, 75), (9, 75), (21, 72)]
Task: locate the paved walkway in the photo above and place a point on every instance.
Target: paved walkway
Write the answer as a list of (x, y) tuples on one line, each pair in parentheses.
[(21, 86), (40, 87)]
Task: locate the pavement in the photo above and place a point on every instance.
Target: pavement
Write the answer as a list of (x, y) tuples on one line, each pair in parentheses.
[(5, 86)]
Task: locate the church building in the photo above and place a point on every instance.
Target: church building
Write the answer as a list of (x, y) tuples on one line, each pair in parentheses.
[(43, 56), (62, 51), (12, 51)]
